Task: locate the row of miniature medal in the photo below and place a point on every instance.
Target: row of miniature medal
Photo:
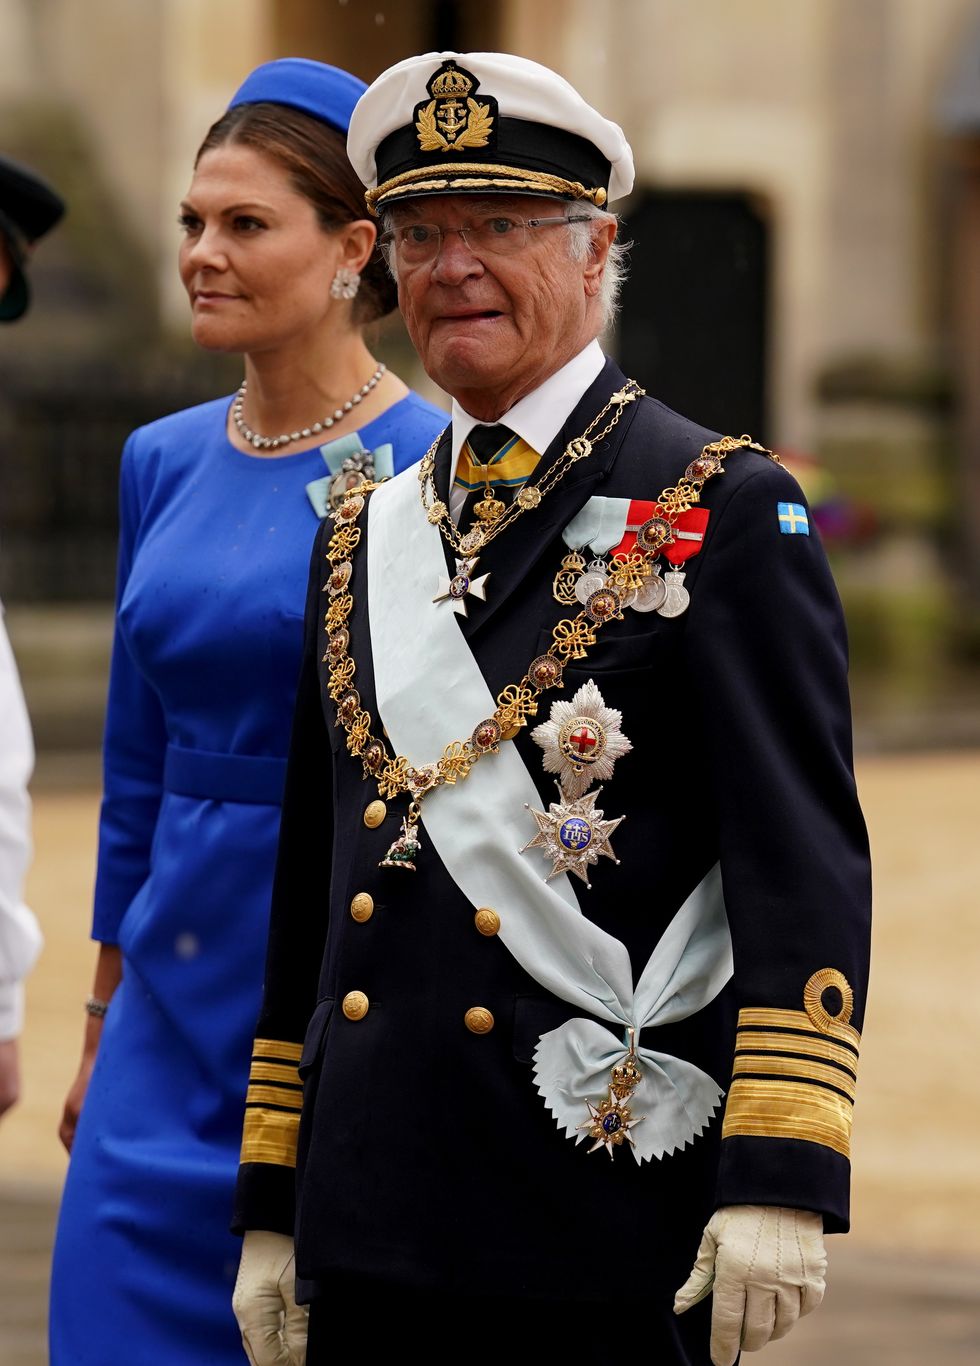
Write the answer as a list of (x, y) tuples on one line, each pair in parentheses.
[(577, 580)]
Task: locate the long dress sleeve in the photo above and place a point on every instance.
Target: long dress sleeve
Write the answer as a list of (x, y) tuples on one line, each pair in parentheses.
[(265, 1196), (768, 657), (20, 935), (134, 746)]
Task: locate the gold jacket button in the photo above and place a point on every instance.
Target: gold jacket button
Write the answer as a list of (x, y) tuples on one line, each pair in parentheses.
[(374, 814), (478, 1020), (487, 921), (362, 907), (356, 1005)]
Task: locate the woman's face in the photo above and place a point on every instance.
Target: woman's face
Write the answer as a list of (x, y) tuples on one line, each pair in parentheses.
[(255, 261)]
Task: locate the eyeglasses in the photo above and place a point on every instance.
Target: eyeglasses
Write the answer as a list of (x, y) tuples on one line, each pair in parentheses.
[(496, 235)]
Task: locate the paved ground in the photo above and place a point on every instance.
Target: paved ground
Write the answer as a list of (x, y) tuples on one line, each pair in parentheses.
[(904, 1287)]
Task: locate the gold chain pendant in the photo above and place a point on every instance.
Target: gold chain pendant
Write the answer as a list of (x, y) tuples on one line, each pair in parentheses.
[(489, 508), (493, 516), (406, 848)]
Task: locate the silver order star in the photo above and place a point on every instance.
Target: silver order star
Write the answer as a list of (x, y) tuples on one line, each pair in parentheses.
[(568, 748), (462, 583), (573, 835)]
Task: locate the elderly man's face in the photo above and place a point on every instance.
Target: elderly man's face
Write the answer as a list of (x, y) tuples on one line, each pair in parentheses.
[(491, 327)]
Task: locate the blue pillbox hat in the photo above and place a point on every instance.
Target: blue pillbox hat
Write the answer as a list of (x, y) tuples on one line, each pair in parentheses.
[(325, 92)]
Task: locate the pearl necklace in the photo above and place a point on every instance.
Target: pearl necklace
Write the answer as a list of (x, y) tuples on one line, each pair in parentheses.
[(272, 443)]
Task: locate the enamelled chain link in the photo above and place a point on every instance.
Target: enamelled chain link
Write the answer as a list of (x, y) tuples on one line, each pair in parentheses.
[(571, 639), (530, 495)]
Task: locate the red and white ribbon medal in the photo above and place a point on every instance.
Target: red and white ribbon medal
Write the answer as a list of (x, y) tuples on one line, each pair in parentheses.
[(667, 596)]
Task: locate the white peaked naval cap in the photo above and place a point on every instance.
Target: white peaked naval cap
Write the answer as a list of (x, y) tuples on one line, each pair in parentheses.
[(487, 123)]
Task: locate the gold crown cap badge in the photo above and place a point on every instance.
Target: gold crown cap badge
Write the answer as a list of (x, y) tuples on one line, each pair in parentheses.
[(452, 119)]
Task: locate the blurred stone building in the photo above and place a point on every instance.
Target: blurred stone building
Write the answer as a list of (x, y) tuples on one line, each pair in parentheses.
[(804, 264)]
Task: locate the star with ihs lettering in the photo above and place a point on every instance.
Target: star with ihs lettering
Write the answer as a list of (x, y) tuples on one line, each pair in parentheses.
[(573, 835)]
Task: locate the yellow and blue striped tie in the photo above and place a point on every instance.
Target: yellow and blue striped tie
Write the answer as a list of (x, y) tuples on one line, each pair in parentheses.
[(495, 451)]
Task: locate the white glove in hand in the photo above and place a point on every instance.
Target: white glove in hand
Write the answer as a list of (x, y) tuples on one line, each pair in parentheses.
[(765, 1267), (272, 1324)]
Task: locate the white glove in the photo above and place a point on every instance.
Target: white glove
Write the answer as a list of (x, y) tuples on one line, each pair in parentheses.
[(765, 1267), (272, 1324)]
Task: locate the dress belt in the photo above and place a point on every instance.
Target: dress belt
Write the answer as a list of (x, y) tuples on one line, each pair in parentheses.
[(255, 778)]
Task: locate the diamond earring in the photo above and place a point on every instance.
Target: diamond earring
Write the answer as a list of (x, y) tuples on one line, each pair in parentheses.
[(345, 283)]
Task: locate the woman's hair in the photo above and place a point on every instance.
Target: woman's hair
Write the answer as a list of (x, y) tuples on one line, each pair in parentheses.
[(314, 156)]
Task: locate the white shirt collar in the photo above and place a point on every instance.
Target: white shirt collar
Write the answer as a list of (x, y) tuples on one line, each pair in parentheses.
[(539, 416)]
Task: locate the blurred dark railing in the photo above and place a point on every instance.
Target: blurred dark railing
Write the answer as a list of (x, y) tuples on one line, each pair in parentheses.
[(62, 430)]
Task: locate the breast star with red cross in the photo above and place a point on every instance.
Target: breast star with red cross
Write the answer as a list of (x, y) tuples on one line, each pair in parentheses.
[(582, 739)]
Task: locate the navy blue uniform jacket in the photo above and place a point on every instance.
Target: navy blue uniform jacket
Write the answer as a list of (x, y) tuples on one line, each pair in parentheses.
[(425, 1156)]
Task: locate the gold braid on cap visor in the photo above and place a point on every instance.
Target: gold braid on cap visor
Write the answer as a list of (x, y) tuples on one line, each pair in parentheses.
[(480, 175)]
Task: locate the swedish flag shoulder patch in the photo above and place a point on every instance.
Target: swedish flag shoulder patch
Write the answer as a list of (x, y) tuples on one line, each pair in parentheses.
[(793, 520)]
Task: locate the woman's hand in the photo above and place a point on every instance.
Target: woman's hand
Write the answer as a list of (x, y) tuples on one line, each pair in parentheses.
[(108, 975), (75, 1099)]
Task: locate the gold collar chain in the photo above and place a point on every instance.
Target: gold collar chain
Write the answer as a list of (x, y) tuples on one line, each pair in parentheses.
[(530, 495), (571, 639)]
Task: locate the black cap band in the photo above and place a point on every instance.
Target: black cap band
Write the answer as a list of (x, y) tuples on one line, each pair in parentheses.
[(529, 158)]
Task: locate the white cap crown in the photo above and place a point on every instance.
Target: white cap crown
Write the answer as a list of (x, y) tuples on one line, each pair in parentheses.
[(487, 122)]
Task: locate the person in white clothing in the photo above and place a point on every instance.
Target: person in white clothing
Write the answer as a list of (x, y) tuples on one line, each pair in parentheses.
[(20, 936), (28, 209)]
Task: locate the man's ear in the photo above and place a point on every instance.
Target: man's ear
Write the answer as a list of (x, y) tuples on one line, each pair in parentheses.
[(603, 235)]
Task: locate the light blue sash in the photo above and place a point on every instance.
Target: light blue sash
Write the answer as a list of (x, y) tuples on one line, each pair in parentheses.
[(430, 691)]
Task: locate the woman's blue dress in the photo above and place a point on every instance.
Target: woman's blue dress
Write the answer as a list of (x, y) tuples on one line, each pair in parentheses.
[(214, 557)]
